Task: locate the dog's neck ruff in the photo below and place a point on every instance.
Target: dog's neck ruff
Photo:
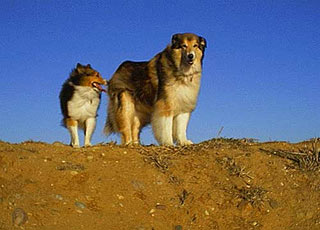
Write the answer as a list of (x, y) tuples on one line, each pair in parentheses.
[(85, 91), (83, 104), (190, 74)]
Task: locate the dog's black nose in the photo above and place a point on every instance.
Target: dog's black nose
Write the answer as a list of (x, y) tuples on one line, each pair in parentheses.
[(190, 56)]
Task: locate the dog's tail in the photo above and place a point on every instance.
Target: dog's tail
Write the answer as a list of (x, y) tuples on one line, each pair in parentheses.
[(110, 125)]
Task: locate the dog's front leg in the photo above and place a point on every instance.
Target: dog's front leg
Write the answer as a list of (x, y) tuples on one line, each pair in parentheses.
[(72, 126), (90, 126), (162, 129), (180, 124)]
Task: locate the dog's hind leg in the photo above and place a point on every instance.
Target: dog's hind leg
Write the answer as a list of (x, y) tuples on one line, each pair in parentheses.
[(72, 126), (135, 129), (90, 125), (124, 117)]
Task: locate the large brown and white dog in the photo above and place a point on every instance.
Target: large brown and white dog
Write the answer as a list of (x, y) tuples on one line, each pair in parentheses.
[(79, 102), (162, 91)]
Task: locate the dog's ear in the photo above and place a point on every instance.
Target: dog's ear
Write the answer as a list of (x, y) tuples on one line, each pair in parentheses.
[(175, 41), (80, 68), (203, 43), (88, 66)]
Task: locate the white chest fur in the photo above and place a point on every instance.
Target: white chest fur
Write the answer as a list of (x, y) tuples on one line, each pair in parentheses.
[(186, 93), (83, 104)]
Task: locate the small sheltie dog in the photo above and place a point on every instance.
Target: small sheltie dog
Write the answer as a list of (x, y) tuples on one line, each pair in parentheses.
[(79, 101)]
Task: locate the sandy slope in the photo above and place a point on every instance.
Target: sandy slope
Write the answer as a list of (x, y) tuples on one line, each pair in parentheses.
[(217, 184)]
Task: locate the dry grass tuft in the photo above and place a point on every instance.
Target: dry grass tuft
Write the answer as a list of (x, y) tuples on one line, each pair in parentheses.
[(256, 196), (306, 159)]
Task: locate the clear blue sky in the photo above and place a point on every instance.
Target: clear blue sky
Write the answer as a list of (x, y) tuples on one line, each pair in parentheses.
[(260, 76)]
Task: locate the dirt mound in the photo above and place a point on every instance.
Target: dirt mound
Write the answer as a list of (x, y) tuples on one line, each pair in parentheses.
[(217, 184)]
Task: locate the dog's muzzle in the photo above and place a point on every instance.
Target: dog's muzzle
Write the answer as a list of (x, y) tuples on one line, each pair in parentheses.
[(190, 58)]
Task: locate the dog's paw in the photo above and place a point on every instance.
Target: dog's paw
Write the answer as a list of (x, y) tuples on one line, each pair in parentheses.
[(75, 146), (88, 145), (135, 143), (168, 143), (185, 142)]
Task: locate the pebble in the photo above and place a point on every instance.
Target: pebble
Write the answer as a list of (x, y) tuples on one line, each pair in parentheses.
[(161, 206), (120, 197), (273, 204), (19, 217), (152, 211), (73, 173), (59, 197), (178, 227), (137, 185), (90, 158), (80, 205)]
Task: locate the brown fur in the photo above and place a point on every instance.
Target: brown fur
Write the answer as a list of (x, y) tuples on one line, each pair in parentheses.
[(142, 92)]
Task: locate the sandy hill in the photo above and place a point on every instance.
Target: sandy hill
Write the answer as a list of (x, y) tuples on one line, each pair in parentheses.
[(217, 184)]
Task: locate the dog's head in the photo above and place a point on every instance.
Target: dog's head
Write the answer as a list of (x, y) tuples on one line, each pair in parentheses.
[(85, 75), (192, 47)]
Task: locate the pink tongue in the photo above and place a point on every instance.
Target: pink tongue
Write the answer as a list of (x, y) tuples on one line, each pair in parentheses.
[(99, 87)]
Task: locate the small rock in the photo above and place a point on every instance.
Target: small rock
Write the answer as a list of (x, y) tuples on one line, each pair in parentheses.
[(137, 185), (73, 173), (178, 227), (206, 213), (58, 197), (19, 217), (80, 205), (89, 198), (273, 204), (161, 206), (152, 211), (120, 197), (90, 158)]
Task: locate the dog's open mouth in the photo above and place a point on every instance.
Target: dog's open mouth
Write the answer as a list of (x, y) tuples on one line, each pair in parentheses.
[(98, 86), (190, 62)]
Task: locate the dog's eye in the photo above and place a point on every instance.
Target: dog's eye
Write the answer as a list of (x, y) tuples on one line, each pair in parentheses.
[(195, 45), (184, 46)]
